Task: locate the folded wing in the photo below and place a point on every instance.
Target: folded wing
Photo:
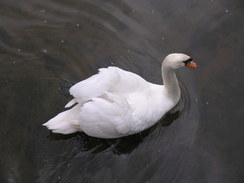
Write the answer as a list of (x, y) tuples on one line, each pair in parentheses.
[(108, 116)]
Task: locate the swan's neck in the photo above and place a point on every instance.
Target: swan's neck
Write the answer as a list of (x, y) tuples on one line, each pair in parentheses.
[(171, 83)]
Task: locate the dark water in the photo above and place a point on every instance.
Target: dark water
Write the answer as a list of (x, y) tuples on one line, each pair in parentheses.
[(46, 46)]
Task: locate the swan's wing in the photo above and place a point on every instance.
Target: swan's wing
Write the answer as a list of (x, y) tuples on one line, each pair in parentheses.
[(93, 86), (111, 79), (107, 117)]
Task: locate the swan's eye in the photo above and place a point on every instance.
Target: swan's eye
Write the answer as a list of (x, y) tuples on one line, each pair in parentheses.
[(188, 60)]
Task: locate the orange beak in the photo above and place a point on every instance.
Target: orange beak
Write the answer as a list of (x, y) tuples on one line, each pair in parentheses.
[(191, 64)]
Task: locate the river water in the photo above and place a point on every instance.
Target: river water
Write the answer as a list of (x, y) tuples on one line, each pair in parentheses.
[(47, 46)]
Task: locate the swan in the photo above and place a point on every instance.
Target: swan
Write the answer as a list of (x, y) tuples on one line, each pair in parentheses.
[(116, 103)]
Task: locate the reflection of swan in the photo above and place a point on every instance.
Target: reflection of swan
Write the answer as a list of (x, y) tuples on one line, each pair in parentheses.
[(116, 103)]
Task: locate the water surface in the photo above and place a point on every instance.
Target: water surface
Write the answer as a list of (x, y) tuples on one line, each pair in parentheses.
[(47, 46)]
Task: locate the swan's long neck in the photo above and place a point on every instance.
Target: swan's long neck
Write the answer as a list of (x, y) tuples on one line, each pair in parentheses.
[(171, 83)]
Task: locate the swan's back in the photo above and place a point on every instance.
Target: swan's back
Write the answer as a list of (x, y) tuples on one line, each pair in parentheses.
[(111, 79)]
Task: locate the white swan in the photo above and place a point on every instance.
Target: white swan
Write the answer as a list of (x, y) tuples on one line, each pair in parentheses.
[(116, 103)]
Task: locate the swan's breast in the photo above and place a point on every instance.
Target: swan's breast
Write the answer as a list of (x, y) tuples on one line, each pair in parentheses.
[(148, 106)]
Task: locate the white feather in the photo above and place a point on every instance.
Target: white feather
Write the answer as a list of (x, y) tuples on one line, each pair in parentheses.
[(65, 122)]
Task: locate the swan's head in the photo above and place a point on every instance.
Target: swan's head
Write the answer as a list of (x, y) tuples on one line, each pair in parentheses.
[(178, 60)]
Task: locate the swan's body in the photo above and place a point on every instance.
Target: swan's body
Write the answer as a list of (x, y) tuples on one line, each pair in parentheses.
[(115, 103)]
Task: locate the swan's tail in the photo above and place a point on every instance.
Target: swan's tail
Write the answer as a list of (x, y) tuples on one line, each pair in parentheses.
[(65, 122)]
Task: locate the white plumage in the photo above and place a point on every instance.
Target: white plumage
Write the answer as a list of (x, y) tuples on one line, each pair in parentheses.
[(116, 103)]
